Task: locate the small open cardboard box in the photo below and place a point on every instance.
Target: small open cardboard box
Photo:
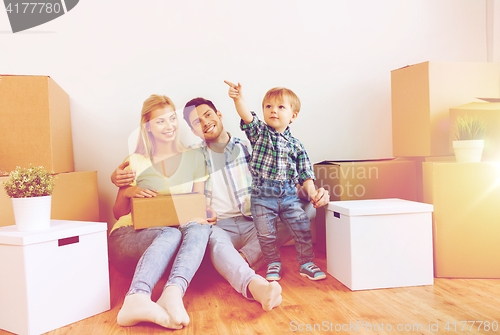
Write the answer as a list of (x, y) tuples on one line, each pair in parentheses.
[(489, 112), (167, 210)]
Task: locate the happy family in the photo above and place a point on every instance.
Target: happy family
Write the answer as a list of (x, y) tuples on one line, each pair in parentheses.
[(258, 195)]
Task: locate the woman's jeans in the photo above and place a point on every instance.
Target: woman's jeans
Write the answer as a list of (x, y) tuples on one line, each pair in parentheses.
[(271, 199), (126, 244)]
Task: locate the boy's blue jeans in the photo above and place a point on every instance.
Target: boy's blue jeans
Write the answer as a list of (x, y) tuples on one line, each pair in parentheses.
[(271, 199)]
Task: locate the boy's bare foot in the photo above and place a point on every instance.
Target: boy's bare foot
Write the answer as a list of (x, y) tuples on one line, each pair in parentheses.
[(139, 307), (171, 300), (268, 294)]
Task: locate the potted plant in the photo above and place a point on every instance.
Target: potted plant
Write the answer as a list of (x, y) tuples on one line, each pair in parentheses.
[(469, 139), (31, 192)]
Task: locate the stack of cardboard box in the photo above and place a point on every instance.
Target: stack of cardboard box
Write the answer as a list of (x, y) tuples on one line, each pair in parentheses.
[(424, 100), (36, 129), (464, 195), (423, 96)]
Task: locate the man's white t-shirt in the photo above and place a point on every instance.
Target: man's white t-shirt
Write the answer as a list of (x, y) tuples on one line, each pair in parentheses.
[(223, 201)]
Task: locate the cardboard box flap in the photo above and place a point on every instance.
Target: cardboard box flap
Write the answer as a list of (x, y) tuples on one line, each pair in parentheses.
[(477, 106), (490, 99), (378, 207), (337, 162)]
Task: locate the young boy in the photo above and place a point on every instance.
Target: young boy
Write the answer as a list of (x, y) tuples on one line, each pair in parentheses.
[(279, 162)]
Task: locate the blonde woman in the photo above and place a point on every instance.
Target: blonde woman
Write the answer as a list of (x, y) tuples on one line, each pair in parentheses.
[(162, 165)]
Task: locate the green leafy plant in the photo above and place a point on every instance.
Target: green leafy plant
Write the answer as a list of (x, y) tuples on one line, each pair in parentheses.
[(469, 128), (31, 182)]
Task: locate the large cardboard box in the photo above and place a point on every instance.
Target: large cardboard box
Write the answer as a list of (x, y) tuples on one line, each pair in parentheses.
[(75, 197), (53, 277), (422, 95), (418, 169), (364, 179), (466, 218), (167, 210), (489, 112), (367, 179), (36, 124), (382, 243)]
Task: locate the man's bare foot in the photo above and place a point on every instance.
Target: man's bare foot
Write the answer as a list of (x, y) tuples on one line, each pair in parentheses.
[(268, 294)]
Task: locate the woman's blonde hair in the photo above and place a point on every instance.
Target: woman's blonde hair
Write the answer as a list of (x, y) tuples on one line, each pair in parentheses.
[(146, 143)]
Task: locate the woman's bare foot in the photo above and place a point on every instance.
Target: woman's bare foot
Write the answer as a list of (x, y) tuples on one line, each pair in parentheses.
[(138, 307), (171, 300)]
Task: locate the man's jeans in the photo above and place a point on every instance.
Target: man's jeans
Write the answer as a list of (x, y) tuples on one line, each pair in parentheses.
[(239, 234), (270, 200), (126, 244), (243, 235), (229, 263)]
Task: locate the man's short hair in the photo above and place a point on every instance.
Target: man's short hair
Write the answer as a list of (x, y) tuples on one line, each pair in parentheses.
[(192, 104)]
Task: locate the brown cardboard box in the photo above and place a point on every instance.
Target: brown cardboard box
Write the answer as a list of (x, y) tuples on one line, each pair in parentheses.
[(75, 197), (365, 179), (422, 95), (167, 210), (489, 112), (418, 169), (466, 218), (36, 124)]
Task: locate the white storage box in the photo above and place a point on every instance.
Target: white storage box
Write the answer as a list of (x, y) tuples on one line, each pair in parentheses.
[(372, 244), (53, 277)]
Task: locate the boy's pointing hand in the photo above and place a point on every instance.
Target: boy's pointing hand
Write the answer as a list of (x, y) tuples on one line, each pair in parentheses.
[(234, 90), (239, 102)]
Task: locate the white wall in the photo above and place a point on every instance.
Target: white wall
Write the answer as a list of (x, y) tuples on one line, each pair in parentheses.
[(493, 11), (336, 55)]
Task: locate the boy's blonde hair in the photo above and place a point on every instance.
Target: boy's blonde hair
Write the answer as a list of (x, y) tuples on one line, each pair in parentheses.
[(279, 93)]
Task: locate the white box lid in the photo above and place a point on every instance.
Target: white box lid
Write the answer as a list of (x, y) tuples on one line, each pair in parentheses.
[(378, 207), (59, 229)]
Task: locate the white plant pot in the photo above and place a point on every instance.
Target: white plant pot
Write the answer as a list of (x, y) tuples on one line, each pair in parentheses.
[(468, 151), (32, 214)]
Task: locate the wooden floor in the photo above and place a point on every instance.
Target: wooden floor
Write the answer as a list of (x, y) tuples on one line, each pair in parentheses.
[(316, 307)]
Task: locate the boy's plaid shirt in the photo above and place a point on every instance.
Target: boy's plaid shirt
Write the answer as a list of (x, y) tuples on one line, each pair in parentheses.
[(239, 178), (276, 156)]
